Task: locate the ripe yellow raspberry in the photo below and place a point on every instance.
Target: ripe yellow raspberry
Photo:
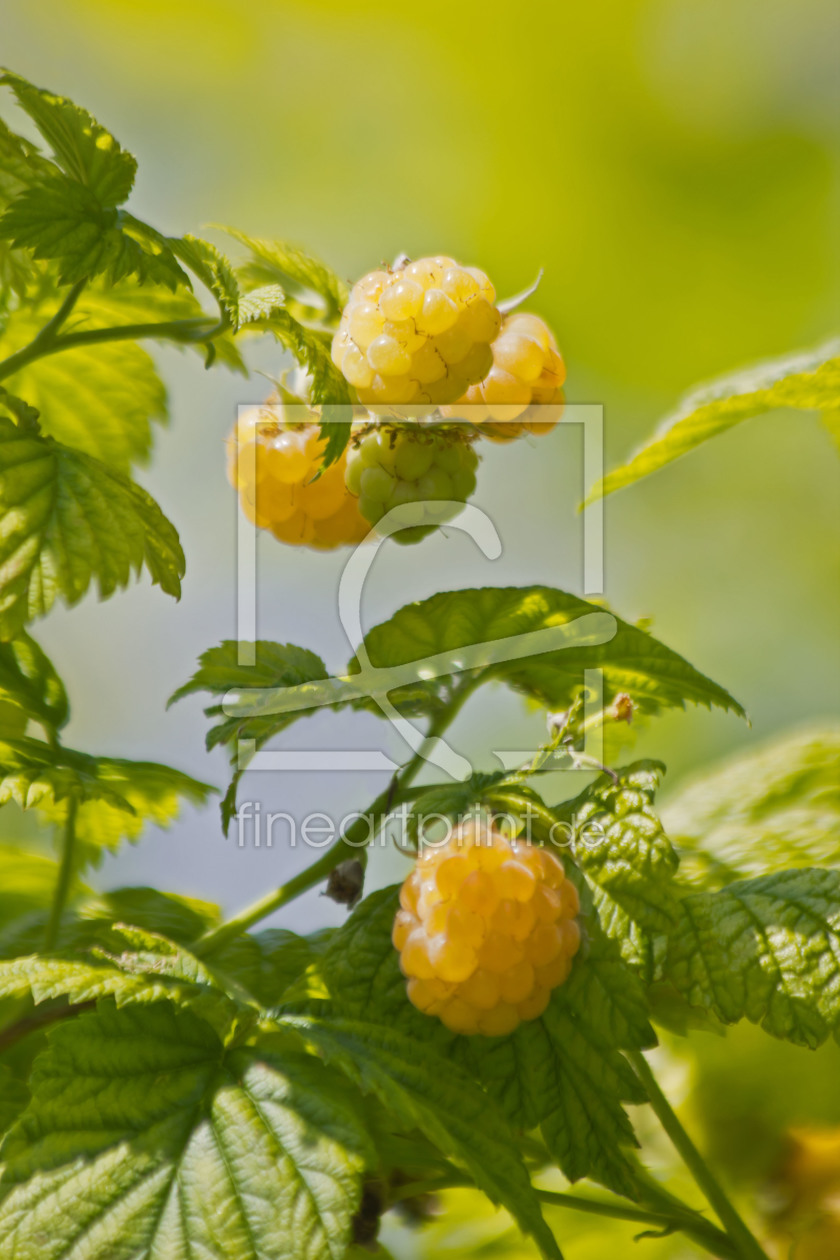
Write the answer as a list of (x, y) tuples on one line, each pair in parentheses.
[(418, 336), (527, 374), (486, 928), (272, 462)]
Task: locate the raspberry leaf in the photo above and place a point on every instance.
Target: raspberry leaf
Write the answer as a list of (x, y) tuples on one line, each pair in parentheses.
[(66, 519), (13, 1098), (632, 661), (213, 270), (773, 807), (28, 680), (442, 1101), (268, 963), (101, 399), (766, 950), (274, 665), (809, 382), (628, 861), (286, 265), (62, 221), (115, 798), (265, 310), (169, 1145), (157, 970), (83, 149)]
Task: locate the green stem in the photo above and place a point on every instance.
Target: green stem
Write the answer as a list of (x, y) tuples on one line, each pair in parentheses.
[(703, 1232), (745, 1243), (346, 845), (182, 331), (65, 876)]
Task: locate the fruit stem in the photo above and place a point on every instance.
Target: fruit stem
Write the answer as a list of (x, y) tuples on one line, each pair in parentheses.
[(65, 876), (346, 845), (747, 1246)]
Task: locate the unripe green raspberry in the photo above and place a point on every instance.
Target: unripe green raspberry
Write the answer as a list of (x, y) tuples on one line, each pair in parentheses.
[(412, 339), (486, 929), (426, 471)]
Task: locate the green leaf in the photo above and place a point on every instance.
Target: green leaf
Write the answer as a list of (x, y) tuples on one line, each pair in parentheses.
[(101, 399), (115, 798), (629, 863), (153, 971), (66, 519), (286, 265), (444, 625), (564, 1071), (29, 681), (213, 270), (83, 149), (168, 1146), (767, 950), (810, 382), (264, 310), (64, 222), (267, 963), (21, 165), (28, 883), (182, 919), (13, 1098), (768, 808), (219, 672), (432, 1094)]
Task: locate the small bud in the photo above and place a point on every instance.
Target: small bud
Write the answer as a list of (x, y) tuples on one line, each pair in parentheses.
[(345, 883), (623, 708)]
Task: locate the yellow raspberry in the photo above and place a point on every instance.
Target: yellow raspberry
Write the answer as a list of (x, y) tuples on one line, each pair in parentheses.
[(486, 929), (273, 463), (521, 391), (417, 337)]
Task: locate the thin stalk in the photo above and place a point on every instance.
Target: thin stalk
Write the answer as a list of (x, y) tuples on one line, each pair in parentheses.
[(346, 845), (65, 876), (182, 331), (704, 1233), (747, 1246)]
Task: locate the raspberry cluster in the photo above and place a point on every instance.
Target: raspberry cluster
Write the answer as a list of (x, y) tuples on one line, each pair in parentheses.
[(486, 930), (527, 371), (428, 471), (418, 336), (273, 464)]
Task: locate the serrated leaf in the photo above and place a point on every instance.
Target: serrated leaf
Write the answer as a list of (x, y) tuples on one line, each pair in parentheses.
[(767, 808), (264, 310), (213, 270), (632, 660), (168, 1147), (267, 963), (448, 1107), (114, 798), (563, 1072), (64, 222), (83, 149), (182, 919), (628, 861), (67, 519), (20, 165), (280, 263), (809, 382), (155, 971), (767, 950), (101, 399), (219, 672), (29, 681)]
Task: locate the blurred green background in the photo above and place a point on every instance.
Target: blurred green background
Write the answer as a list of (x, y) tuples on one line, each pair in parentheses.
[(674, 168)]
